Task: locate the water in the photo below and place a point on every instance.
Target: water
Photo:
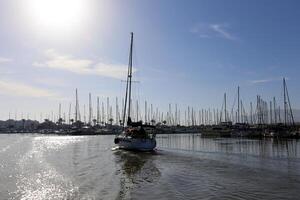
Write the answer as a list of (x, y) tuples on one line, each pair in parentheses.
[(183, 167)]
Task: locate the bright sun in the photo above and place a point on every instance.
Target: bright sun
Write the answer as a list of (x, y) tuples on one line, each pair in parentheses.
[(57, 14)]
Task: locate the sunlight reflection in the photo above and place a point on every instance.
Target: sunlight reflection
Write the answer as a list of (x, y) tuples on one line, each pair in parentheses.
[(38, 179)]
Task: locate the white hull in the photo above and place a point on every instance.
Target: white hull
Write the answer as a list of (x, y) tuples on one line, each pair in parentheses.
[(138, 144)]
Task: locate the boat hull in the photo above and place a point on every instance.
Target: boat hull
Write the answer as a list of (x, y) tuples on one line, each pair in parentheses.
[(136, 144)]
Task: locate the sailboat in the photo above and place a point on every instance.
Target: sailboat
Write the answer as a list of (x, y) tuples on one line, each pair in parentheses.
[(135, 135)]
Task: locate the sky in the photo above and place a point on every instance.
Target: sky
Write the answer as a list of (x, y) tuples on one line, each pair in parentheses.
[(185, 52)]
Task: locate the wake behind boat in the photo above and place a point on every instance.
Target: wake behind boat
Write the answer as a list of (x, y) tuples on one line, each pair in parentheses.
[(136, 135)]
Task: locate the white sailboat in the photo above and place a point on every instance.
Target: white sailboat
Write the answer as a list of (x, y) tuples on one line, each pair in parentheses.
[(134, 135)]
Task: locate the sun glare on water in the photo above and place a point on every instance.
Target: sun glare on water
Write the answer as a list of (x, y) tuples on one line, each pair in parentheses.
[(57, 15)]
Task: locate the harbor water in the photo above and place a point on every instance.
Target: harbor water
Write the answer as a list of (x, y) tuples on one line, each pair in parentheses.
[(184, 166)]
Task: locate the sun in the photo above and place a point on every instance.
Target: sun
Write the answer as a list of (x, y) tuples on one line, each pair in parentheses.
[(57, 14)]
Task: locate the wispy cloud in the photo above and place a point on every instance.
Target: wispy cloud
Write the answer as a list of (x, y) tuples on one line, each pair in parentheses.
[(55, 60), (51, 81), (204, 30), (267, 80), (20, 89), (5, 60), (221, 30), (6, 71)]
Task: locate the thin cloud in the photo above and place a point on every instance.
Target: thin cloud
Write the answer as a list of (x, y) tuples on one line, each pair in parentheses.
[(221, 30), (51, 81), (261, 81), (5, 71), (20, 89), (55, 60), (213, 31), (5, 60)]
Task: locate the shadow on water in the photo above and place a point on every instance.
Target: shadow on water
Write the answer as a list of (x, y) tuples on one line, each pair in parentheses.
[(136, 170)]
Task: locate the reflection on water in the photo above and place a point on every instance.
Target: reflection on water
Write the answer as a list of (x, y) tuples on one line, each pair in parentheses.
[(264, 148), (184, 167), (229, 168), (137, 169), (38, 178)]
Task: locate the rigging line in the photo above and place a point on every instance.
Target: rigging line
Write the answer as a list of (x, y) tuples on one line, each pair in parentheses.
[(289, 103), (137, 74)]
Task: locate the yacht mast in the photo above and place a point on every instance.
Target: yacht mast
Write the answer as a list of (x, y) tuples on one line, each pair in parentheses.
[(225, 110), (238, 115), (130, 74), (128, 83), (288, 103), (76, 107), (284, 102), (90, 109)]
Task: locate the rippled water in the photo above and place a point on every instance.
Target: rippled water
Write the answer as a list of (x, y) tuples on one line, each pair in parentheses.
[(183, 167)]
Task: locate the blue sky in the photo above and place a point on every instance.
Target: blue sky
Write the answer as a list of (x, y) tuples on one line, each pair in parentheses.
[(185, 52)]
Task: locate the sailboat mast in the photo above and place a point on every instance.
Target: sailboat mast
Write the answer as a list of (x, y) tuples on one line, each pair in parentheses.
[(275, 112), (238, 115), (284, 103), (70, 106), (289, 104), (76, 107), (225, 110), (59, 111), (130, 74), (128, 82), (98, 111), (90, 109)]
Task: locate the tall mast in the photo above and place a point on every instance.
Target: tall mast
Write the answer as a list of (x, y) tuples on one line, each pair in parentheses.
[(137, 110), (289, 104), (130, 73), (251, 112), (241, 113), (238, 115), (225, 110), (214, 119), (98, 111), (76, 107), (271, 113), (69, 113), (176, 115), (284, 103), (103, 114), (146, 112), (84, 114), (128, 82), (90, 109), (107, 110), (59, 111), (258, 109), (202, 116), (117, 111), (279, 116), (274, 108)]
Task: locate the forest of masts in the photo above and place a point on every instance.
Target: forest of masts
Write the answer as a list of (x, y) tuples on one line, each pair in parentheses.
[(260, 112)]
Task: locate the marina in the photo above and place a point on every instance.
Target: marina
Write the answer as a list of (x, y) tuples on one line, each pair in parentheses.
[(149, 100), (265, 120)]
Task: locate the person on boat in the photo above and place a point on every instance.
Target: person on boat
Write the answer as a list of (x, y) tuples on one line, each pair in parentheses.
[(134, 124), (136, 132)]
